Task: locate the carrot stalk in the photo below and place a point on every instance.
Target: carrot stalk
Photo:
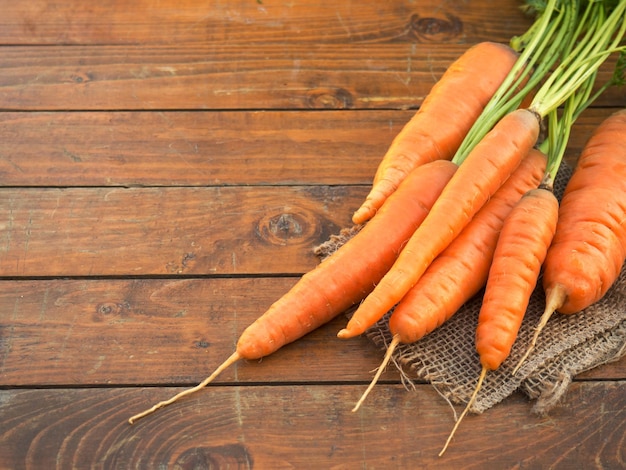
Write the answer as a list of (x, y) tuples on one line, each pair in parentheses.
[(471, 79), (345, 277), (540, 47)]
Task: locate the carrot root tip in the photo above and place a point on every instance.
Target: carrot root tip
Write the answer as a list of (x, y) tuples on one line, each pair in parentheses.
[(345, 334), (390, 349), (227, 363), (555, 300), (471, 401)]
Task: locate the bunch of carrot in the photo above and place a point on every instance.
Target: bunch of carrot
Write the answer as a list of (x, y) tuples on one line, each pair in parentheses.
[(461, 203)]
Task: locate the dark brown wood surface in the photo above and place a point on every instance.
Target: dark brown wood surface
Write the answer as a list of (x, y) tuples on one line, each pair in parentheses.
[(166, 169)]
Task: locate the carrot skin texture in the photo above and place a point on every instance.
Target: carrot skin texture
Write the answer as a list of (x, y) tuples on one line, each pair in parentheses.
[(589, 247), (482, 173), (461, 270), (351, 272), (433, 132), (520, 252)]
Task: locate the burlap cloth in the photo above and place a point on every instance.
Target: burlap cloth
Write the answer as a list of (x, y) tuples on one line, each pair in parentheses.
[(568, 345)]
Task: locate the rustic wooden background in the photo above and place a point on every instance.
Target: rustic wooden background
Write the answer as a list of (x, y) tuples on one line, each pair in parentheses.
[(166, 168)]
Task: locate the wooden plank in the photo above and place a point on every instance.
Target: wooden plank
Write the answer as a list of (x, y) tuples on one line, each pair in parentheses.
[(59, 332), (226, 76), (194, 148), (169, 231), (256, 22), (165, 331), (207, 148), (220, 77), (306, 425)]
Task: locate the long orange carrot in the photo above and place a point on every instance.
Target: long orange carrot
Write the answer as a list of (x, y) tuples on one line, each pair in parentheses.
[(482, 173), (530, 228), (460, 271), (517, 260), (434, 132), (513, 275), (342, 279), (589, 247)]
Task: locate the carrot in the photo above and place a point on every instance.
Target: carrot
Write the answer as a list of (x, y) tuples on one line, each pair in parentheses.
[(513, 275), (487, 158), (520, 251), (589, 248), (530, 227), (482, 173), (342, 279), (460, 271), (434, 132)]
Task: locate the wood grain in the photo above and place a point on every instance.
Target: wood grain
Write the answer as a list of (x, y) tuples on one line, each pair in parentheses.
[(168, 231), (87, 428), (279, 76), (151, 331), (252, 23), (207, 148)]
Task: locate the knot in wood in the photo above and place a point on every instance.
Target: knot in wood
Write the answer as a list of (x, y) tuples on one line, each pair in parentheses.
[(225, 456), (110, 310), (287, 228), (330, 98), (429, 29)]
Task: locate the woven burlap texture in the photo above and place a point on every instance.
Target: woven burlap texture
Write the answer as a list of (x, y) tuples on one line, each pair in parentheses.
[(568, 345)]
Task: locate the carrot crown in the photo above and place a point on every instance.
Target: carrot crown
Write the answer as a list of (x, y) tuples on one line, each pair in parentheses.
[(580, 36)]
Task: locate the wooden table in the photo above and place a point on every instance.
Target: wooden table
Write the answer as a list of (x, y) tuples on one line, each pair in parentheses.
[(166, 169)]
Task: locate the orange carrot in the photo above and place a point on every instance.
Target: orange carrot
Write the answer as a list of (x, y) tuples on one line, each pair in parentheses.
[(529, 229), (589, 247), (460, 271), (520, 251), (342, 279), (480, 175), (435, 132)]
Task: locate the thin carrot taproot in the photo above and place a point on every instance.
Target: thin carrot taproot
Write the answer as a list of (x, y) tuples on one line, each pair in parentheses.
[(480, 175), (589, 247), (460, 271), (470, 82), (342, 279)]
